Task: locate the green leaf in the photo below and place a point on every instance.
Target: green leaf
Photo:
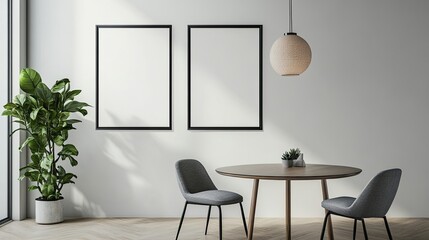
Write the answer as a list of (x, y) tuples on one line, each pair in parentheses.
[(33, 114), (35, 158), (20, 99), (7, 113), (59, 85), (37, 145), (83, 111), (61, 171), (32, 100), (25, 143), (67, 178), (47, 190), (65, 134), (10, 106), (57, 101), (73, 121), (47, 163), (43, 93), (51, 189), (51, 179), (64, 116), (73, 161), (70, 95), (29, 79), (69, 150), (33, 175), (59, 140), (74, 106), (45, 175), (13, 113)]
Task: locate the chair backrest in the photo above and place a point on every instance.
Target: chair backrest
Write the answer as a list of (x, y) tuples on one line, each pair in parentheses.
[(377, 197), (193, 177)]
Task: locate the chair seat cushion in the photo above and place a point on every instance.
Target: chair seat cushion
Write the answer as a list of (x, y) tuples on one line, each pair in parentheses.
[(214, 197), (339, 205)]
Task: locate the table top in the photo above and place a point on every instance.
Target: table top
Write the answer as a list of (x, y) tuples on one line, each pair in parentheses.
[(276, 171)]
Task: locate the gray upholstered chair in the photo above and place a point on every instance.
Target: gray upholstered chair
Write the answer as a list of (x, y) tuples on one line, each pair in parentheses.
[(374, 201), (197, 188)]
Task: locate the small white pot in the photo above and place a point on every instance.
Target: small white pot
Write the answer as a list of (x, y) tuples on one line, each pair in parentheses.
[(287, 163), (49, 212)]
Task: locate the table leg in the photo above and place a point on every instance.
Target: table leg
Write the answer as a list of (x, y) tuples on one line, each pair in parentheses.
[(326, 196), (288, 211), (253, 208)]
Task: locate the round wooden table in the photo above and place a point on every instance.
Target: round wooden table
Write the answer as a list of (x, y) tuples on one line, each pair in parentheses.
[(278, 172)]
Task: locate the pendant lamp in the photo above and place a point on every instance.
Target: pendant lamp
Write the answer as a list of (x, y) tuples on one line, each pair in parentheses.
[(290, 54)]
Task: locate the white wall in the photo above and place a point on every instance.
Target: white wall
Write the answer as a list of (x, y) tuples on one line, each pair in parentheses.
[(362, 102)]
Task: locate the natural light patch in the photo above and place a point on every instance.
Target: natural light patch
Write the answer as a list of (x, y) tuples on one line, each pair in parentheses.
[(84, 205), (117, 155), (137, 182)]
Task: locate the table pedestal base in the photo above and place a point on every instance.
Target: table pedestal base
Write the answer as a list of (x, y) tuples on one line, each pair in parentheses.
[(287, 208)]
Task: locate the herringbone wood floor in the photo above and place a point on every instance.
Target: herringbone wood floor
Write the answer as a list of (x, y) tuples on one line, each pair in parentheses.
[(193, 228)]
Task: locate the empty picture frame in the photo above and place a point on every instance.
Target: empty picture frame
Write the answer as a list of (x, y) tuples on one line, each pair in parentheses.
[(225, 77), (133, 77)]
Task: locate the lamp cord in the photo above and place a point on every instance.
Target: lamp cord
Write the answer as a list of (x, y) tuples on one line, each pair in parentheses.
[(290, 16)]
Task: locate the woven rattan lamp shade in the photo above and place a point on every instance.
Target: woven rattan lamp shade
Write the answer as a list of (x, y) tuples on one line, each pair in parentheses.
[(290, 55)]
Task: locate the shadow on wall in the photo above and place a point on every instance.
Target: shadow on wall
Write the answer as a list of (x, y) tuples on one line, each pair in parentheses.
[(114, 170)]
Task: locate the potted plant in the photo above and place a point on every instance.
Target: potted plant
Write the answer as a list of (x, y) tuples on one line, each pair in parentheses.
[(45, 115), (289, 157)]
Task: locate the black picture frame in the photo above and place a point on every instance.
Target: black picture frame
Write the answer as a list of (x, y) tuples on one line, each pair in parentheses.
[(166, 111), (195, 103)]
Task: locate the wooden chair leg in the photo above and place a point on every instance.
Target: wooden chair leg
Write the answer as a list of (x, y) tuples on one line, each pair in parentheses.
[(220, 222), (244, 219), (324, 225), (208, 218), (364, 229), (181, 220), (354, 229), (387, 228)]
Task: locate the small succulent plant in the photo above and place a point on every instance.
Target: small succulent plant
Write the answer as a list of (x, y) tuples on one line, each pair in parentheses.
[(292, 154)]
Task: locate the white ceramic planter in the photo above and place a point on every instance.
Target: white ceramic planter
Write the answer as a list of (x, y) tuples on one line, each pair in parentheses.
[(49, 212), (287, 163)]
